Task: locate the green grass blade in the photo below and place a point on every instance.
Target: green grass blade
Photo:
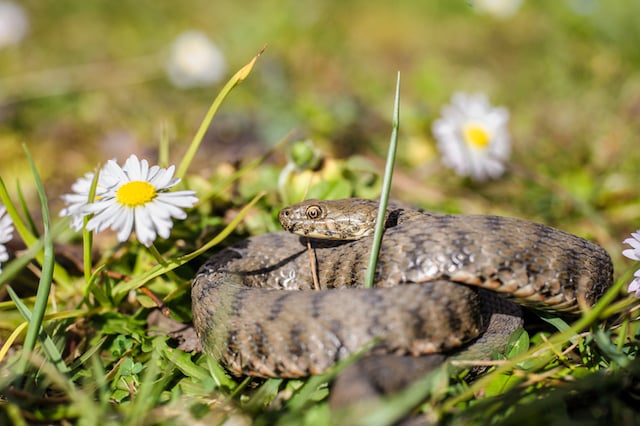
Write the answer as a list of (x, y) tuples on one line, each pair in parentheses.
[(99, 376), (81, 404), (48, 345), (46, 277), (184, 363), (12, 268), (536, 353), (14, 415), (25, 211), (237, 78), (87, 236), (219, 374), (263, 396), (30, 240), (124, 287), (163, 146), (21, 228), (4, 349), (152, 384), (386, 189), (397, 406), (303, 395)]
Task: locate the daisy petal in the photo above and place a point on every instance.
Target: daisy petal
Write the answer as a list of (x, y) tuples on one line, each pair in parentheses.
[(634, 242), (634, 287), (6, 234)]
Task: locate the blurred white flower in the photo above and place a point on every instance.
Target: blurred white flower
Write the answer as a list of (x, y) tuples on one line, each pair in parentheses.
[(634, 254), (6, 234), (195, 61), (472, 136), (498, 8), (583, 7), (137, 195), (14, 23)]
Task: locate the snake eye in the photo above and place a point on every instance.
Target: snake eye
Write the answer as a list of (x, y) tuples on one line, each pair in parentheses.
[(313, 212)]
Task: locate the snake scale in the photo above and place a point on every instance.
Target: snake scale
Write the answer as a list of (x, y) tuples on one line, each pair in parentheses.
[(255, 307)]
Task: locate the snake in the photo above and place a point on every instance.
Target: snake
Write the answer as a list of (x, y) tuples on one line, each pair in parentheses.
[(443, 284)]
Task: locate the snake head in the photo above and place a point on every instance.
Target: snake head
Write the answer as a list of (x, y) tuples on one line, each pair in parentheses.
[(345, 219)]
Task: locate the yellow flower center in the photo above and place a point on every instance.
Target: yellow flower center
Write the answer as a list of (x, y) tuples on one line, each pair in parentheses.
[(476, 136), (135, 193)]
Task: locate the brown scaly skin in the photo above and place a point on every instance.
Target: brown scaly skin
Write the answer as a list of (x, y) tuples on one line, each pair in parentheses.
[(254, 307)]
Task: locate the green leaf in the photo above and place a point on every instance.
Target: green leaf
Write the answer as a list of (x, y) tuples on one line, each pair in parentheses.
[(603, 340), (517, 344), (557, 322), (263, 397), (120, 346), (500, 383)]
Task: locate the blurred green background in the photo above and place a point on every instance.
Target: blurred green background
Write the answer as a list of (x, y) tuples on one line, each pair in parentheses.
[(88, 83)]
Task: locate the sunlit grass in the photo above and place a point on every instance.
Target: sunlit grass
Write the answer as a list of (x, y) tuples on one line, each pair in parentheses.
[(75, 344)]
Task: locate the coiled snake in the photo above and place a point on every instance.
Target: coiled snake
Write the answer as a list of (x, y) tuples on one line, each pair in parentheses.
[(256, 310)]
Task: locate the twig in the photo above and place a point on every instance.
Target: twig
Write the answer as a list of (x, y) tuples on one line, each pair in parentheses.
[(313, 264)]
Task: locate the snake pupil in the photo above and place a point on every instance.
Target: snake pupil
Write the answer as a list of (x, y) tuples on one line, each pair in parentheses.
[(313, 212)]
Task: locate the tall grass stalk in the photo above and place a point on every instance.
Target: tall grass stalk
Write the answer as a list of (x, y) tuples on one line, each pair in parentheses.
[(386, 190), (237, 78), (46, 275)]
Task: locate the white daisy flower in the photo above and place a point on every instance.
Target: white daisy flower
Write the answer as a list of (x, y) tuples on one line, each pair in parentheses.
[(6, 234), (498, 8), (195, 61), (137, 196), (634, 286), (77, 201), (634, 254), (473, 137), (14, 23)]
